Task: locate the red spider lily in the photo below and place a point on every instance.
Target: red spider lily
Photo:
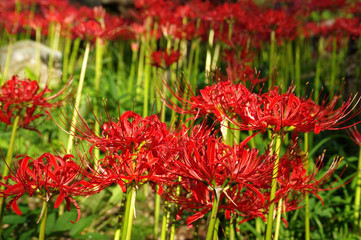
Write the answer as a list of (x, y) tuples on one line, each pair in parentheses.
[(354, 135), (23, 98), (213, 99), (128, 169), (88, 30), (209, 169), (288, 112), (295, 178), (130, 133), (46, 177), (163, 60)]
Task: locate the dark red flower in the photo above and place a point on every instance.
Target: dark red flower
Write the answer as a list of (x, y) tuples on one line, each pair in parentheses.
[(163, 59), (46, 177), (88, 30), (354, 135), (24, 98)]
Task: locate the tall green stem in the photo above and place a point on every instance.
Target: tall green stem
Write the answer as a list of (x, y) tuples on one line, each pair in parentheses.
[(358, 194), (8, 160), (271, 58), (333, 66), (78, 97), (318, 69), (73, 55), (307, 205), (43, 221), (7, 61), (298, 67), (166, 215), (276, 150), (129, 214), (209, 52), (67, 48), (98, 74), (278, 221), (213, 217)]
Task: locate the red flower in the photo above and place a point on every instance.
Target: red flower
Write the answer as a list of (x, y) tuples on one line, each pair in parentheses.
[(88, 30), (23, 98), (163, 59), (354, 135), (209, 169), (47, 176)]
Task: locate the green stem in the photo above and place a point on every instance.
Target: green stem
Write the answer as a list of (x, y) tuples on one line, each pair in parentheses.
[(333, 66), (129, 214), (8, 160), (318, 69), (78, 97), (209, 54), (73, 55), (216, 227), (98, 74), (166, 215), (37, 52), (298, 67), (67, 48), (118, 229), (358, 193), (307, 206), (271, 58), (8, 57), (213, 217), (43, 221), (132, 69), (276, 150), (278, 221), (156, 216), (54, 47)]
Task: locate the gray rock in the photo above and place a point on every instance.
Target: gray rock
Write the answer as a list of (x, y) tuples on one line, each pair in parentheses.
[(23, 55)]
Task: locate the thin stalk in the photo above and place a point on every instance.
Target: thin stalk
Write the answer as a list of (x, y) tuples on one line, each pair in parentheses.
[(140, 74), (278, 220), (67, 48), (129, 214), (271, 58), (132, 69), (333, 64), (118, 229), (163, 234), (318, 69), (98, 74), (43, 221), (156, 215), (54, 47), (298, 67), (7, 61), (307, 205), (8, 160), (213, 217), (217, 49), (73, 55), (194, 74), (276, 150), (209, 54), (216, 228), (358, 193), (37, 52), (78, 97)]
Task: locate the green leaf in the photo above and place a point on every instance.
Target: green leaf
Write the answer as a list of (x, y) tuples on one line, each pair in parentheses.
[(50, 223), (14, 219), (80, 226), (27, 235), (63, 223)]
